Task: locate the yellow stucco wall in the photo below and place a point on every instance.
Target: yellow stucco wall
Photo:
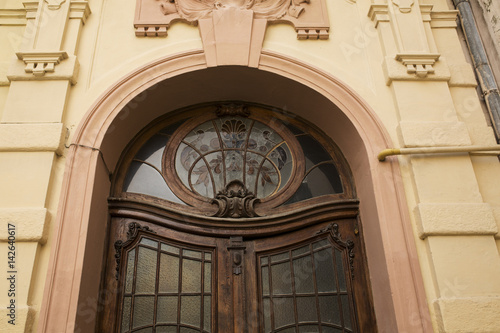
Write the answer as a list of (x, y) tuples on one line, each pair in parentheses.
[(453, 201)]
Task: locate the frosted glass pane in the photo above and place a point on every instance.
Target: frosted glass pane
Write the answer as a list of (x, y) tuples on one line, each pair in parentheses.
[(265, 281), (188, 330), (208, 256), (306, 309), (301, 250), (347, 312), (283, 312), (146, 271), (191, 254), (191, 276), (169, 274), (149, 242), (130, 271), (281, 279), (309, 329), (320, 244), (208, 278), (303, 275), (126, 314), (152, 150), (167, 309), (267, 315), (169, 248), (340, 270), (329, 309), (190, 310), (327, 329), (279, 257), (264, 261), (142, 178), (166, 329), (325, 277), (145, 330), (143, 311), (207, 317)]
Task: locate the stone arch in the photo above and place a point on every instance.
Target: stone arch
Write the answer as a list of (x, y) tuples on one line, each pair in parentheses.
[(72, 286)]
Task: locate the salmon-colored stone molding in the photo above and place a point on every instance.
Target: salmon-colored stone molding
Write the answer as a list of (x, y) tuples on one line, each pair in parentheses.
[(310, 18)]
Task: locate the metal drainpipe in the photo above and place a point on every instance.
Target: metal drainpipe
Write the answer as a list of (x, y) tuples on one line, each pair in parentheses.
[(481, 65)]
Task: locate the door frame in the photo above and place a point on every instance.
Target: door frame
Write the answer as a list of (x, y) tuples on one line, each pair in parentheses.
[(78, 242)]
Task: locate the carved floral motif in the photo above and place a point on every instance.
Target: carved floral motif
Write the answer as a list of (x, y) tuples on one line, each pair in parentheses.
[(193, 10)]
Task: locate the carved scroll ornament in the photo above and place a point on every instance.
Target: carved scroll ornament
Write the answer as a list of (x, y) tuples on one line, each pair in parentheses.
[(235, 201)]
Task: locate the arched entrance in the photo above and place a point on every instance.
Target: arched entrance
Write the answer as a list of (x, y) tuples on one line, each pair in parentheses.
[(233, 217), (169, 84)]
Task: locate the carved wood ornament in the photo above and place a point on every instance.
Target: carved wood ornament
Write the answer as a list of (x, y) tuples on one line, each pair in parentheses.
[(233, 30)]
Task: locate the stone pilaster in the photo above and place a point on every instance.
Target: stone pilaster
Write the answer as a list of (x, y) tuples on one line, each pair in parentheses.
[(32, 136), (449, 211)]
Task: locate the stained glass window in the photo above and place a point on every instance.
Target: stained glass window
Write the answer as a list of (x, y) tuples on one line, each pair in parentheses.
[(233, 148), (264, 154)]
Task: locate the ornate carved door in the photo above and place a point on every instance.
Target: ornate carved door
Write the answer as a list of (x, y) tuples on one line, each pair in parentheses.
[(233, 218)]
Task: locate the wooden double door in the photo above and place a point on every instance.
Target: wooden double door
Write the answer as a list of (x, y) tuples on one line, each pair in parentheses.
[(236, 278)]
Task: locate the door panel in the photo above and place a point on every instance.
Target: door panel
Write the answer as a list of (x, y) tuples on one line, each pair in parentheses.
[(310, 280)]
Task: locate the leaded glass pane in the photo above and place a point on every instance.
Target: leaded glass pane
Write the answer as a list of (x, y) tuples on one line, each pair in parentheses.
[(169, 274), (143, 311), (323, 262), (329, 310), (302, 272), (152, 151), (191, 276), (283, 312), (190, 310), (166, 329), (306, 309), (167, 309), (142, 178), (281, 279), (207, 317), (146, 271), (126, 314), (312, 300), (176, 291), (129, 278)]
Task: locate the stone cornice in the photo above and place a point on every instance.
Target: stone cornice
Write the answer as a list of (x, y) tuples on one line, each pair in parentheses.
[(13, 17)]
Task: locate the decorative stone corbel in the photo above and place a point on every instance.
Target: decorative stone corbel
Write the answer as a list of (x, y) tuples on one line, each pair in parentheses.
[(79, 9), (54, 4), (404, 5), (39, 63), (419, 64)]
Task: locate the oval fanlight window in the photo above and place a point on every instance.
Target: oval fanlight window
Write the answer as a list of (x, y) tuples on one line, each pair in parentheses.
[(233, 160)]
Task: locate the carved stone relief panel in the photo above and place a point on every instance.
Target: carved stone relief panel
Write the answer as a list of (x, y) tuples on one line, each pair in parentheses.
[(309, 17)]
